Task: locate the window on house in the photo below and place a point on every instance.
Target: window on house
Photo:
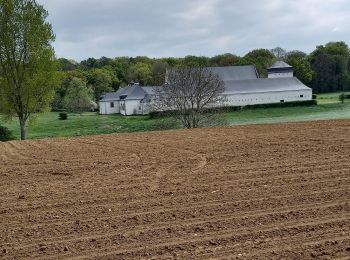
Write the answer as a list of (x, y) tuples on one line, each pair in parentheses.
[(282, 101), (301, 96), (112, 104)]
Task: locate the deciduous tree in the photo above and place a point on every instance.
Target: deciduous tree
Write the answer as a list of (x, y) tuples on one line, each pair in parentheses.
[(189, 92), (141, 72), (79, 97), (27, 63), (301, 64), (261, 58)]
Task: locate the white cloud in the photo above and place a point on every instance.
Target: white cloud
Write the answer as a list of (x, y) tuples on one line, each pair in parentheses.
[(87, 28)]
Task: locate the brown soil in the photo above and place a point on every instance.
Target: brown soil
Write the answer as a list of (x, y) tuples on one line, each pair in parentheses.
[(251, 192)]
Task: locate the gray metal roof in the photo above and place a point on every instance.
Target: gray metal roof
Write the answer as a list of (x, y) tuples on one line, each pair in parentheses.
[(150, 90), (236, 72), (263, 85), (134, 92), (112, 96), (279, 65)]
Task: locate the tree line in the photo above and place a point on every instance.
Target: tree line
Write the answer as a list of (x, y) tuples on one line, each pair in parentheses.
[(326, 69)]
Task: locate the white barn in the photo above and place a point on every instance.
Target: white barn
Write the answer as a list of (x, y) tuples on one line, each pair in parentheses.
[(242, 87)]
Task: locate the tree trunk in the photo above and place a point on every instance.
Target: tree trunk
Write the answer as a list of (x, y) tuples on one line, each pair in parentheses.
[(23, 125)]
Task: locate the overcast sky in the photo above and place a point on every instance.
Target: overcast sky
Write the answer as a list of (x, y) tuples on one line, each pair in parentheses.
[(164, 28)]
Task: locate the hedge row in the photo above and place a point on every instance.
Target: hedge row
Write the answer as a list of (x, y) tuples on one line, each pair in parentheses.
[(313, 102), (5, 134)]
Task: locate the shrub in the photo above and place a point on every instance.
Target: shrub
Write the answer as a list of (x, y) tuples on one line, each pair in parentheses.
[(342, 98), (62, 116), (5, 134), (271, 105), (314, 96)]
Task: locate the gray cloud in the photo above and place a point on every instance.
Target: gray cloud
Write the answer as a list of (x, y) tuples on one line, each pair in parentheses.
[(159, 28)]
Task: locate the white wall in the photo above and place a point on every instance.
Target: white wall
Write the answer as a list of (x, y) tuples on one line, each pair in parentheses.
[(107, 109), (267, 98), (143, 109), (132, 107), (281, 75)]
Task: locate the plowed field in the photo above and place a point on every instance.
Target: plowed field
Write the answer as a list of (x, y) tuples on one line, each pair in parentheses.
[(251, 192)]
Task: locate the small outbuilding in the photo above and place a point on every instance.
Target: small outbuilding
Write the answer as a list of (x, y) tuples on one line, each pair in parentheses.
[(131, 100)]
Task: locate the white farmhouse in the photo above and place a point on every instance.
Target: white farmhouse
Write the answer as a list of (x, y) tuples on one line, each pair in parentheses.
[(242, 87), (132, 100)]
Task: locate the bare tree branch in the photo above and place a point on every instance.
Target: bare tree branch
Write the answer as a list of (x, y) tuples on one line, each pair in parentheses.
[(188, 94)]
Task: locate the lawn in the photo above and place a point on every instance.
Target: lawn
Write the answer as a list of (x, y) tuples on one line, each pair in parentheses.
[(48, 125), (290, 114)]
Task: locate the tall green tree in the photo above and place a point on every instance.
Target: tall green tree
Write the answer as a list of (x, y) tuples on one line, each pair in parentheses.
[(301, 64), (79, 97), (330, 63), (101, 81), (61, 92), (141, 72), (27, 62), (261, 58)]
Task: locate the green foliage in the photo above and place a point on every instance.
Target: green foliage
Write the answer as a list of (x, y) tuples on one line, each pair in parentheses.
[(79, 97), (302, 67), (227, 59), (101, 81), (194, 61), (67, 65), (261, 58), (61, 92), (342, 98), (5, 134), (28, 70), (141, 72), (63, 116), (330, 64)]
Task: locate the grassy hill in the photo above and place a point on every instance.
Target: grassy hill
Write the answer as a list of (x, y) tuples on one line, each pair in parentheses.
[(48, 125)]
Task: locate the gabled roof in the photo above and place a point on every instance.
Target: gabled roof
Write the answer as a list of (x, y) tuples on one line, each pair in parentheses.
[(112, 96), (134, 92), (236, 72), (263, 85)]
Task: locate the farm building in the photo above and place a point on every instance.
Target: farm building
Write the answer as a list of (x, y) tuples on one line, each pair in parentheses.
[(132, 100), (242, 87)]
